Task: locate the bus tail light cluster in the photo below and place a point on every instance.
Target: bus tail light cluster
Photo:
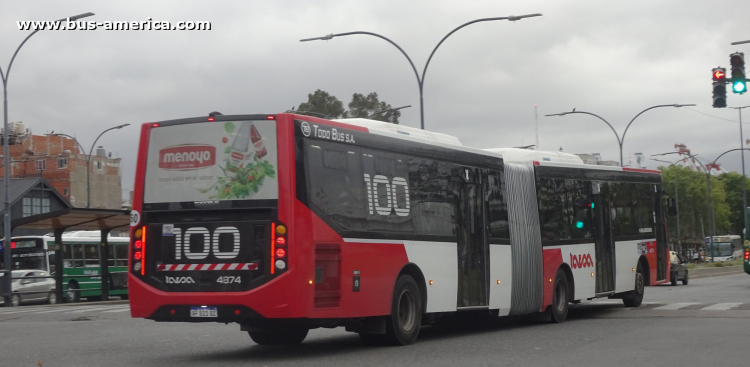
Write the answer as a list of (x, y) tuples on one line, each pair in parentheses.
[(747, 254), (139, 250), (279, 249)]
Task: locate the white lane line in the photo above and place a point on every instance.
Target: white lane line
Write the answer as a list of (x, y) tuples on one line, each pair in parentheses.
[(64, 309), (123, 310), (91, 309), (21, 310), (720, 307), (675, 306)]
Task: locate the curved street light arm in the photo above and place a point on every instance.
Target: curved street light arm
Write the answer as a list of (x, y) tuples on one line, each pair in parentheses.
[(650, 108), (419, 80), (597, 116), (83, 151), (722, 154)]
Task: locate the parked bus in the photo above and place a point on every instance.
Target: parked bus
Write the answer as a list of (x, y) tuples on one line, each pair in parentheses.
[(724, 248), (80, 257), (283, 223)]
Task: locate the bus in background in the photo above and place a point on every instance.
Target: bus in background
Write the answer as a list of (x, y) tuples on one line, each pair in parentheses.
[(724, 248), (283, 223), (80, 257)]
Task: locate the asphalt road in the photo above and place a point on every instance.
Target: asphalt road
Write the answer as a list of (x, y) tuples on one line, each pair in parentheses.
[(706, 323)]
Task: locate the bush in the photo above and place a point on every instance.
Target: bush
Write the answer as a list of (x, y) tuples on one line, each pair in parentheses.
[(718, 264)]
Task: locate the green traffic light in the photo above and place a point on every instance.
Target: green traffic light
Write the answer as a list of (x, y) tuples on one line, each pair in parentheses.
[(739, 87), (579, 224)]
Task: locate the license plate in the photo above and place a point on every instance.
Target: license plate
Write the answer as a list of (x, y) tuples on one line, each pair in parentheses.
[(203, 312)]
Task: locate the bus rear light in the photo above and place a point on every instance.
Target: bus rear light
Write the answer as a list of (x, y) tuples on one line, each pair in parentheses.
[(138, 245), (280, 252), (281, 229), (138, 255), (236, 312), (143, 252), (281, 241), (747, 254), (137, 267), (280, 264), (270, 117), (137, 234), (273, 244), (154, 125), (211, 118)]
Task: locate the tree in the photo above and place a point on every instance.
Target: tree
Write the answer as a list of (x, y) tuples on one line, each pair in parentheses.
[(321, 103), (363, 107), (733, 185)]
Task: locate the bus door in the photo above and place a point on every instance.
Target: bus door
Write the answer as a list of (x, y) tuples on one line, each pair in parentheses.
[(605, 243), (661, 233), (473, 246)]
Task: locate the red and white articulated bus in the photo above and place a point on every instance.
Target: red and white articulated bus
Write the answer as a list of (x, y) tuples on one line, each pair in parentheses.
[(284, 223)]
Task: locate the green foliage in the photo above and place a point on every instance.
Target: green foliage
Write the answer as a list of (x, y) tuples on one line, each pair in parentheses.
[(364, 106), (241, 182), (693, 202), (321, 103), (733, 186)]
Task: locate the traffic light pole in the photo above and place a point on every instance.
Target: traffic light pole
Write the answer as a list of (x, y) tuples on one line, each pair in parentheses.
[(744, 177)]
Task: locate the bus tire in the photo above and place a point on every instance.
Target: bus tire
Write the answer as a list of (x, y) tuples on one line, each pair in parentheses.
[(634, 298), (560, 304), (73, 294), (402, 326), (685, 279), (287, 336)]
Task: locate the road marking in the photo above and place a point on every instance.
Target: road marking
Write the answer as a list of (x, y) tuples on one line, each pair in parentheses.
[(674, 306), (123, 310), (91, 309), (720, 307), (66, 309)]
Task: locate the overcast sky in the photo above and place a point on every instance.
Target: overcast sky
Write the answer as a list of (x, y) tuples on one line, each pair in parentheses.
[(612, 58)]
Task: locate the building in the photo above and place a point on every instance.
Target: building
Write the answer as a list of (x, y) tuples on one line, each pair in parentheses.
[(60, 162), (30, 196)]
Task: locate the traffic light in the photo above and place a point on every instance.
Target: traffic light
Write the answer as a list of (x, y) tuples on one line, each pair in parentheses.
[(737, 61), (719, 76)]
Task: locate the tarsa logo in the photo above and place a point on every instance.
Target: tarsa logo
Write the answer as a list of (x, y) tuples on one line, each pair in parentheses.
[(581, 261), (179, 280), (186, 157)]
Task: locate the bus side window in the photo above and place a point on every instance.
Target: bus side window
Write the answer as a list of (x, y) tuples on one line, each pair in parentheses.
[(498, 208), (91, 255), (121, 253), (111, 254)]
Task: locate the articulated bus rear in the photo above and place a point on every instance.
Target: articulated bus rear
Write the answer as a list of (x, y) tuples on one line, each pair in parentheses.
[(211, 221)]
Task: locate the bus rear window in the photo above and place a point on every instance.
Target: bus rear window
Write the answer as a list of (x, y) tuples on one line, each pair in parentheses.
[(234, 160)]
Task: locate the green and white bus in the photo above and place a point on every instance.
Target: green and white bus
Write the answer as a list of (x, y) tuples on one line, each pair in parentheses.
[(80, 257)]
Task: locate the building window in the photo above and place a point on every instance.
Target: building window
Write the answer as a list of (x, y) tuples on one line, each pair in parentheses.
[(41, 165), (98, 164), (62, 162), (66, 191), (26, 207)]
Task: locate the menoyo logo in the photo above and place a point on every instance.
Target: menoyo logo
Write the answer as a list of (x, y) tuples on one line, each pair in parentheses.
[(186, 157), (581, 261)]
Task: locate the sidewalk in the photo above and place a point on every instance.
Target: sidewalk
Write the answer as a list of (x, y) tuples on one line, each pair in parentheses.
[(715, 271)]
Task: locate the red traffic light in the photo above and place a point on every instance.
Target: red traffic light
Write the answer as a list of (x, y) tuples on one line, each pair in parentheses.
[(720, 74)]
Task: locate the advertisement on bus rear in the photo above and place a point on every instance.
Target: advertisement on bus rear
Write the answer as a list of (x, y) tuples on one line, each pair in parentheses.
[(212, 161)]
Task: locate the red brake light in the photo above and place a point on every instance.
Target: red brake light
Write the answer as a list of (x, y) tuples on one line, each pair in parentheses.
[(143, 252), (211, 118), (747, 254), (270, 117), (273, 245), (12, 245), (281, 241), (138, 255), (154, 125), (138, 244), (280, 252)]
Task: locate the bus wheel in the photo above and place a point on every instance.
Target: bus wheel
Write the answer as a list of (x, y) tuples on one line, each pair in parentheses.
[(685, 279), (402, 326), (73, 295), (560, 303), (634, 298), (291, 336), (52, 298)]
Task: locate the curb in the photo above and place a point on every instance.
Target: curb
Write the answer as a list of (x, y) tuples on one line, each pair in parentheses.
[(77, 304), (714, 272)]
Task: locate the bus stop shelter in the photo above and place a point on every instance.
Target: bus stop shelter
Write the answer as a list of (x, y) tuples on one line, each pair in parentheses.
[(78, 219)]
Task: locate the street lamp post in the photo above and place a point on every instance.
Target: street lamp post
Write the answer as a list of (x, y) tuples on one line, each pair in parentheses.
[(389, 110), (676, 198), (6, 157), (744, 177), (420, 79), (620, 141), (88, 159)]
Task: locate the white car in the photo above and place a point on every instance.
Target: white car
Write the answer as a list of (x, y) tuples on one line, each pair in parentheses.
[(27, 288)]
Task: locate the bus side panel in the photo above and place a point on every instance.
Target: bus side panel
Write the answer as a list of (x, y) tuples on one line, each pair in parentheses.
[(552, 259), (582, 262), (626, 255), (501, 274), (439, 263)]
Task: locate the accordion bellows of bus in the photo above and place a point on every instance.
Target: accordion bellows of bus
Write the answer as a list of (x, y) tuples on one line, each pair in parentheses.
[(282, 223)]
